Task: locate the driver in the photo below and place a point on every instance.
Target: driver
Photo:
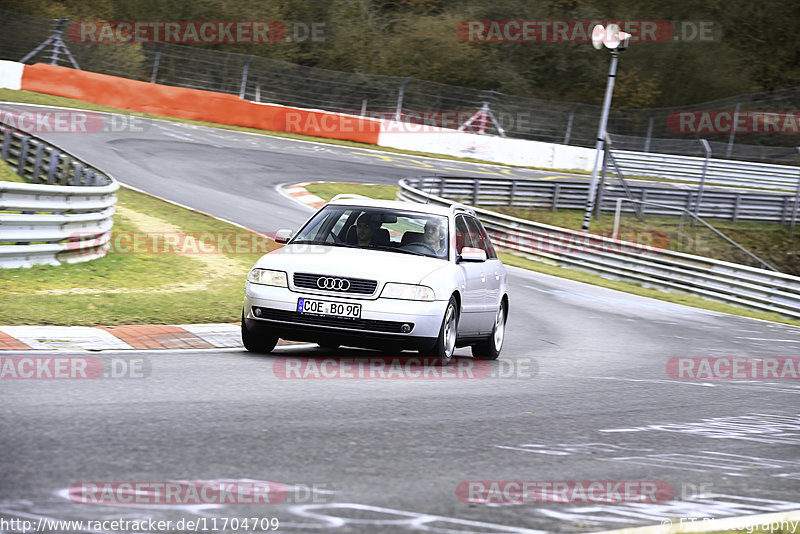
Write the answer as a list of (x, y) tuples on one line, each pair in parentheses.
[(365, 229), (434, 236)]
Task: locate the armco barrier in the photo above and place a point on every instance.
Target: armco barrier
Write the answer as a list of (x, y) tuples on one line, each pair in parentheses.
[(555, 195), (718, 171), (195, 104), (741, 285), (47, 223)]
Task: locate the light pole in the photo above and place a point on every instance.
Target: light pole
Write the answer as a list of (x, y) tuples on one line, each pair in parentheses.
[(616, 41)]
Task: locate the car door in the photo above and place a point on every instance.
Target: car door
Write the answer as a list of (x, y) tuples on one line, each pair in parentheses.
[(494, 269), (473, 298)]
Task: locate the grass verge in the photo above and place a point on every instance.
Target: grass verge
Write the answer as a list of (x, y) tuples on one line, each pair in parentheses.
[(328, 190), (8, 175), (167, 265)]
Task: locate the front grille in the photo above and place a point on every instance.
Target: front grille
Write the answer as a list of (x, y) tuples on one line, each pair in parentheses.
[(357, 285), (316, 320)]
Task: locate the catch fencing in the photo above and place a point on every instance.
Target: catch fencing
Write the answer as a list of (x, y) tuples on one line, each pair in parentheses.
[(409, 99)]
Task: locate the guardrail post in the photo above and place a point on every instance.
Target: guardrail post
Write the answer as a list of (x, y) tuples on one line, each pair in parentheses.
[(55, 155), (476, 190), (22, 158), (736, 207), (77, 178), (512, 192), (556, 197), (244, 76), (37, 161), (707, 148)]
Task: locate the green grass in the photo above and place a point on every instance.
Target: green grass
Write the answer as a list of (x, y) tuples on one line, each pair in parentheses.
[(328, 190), (131, 288), (8, 175), (769, 241)]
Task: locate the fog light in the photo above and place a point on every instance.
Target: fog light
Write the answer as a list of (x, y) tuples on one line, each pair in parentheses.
[(257, 312), (406, 328)]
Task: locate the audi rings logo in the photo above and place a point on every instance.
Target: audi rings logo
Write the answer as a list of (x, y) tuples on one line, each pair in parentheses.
[(333, 284)]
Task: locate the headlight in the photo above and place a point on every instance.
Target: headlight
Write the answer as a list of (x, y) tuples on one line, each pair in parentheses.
[(407, 292), (267, 277)]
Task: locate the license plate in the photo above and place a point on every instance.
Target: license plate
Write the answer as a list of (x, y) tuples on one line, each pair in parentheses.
[(333, 309)]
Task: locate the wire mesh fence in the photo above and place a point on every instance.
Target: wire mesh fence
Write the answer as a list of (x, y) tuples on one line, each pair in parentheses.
[(413, 100)]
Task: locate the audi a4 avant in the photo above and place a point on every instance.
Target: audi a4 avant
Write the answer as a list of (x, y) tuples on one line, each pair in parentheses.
[(381, 274)]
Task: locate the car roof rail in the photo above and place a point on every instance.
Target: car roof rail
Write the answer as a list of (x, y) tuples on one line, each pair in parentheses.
[(462, 207), (347, 196)]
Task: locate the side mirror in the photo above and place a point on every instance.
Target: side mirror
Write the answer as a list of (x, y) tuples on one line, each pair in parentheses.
[(472, 254), (283, 235)]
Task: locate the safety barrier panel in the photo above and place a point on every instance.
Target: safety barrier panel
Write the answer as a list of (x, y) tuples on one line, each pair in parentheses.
[(195, 104), (64, 215)]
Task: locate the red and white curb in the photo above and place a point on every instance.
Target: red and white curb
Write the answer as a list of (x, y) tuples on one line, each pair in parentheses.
[(133, 337), (299, 193)]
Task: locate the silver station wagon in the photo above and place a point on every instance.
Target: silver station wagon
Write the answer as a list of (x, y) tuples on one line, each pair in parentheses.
[(381, 274)]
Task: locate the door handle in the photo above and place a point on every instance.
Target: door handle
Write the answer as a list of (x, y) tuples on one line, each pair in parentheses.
[(483, 277)]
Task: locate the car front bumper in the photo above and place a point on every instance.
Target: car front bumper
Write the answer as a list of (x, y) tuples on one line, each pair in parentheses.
[(381, 324)]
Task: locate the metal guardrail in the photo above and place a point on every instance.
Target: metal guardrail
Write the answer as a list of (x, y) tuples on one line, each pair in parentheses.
[(717, 171), (64, 215), (714, 204), (741, 285)]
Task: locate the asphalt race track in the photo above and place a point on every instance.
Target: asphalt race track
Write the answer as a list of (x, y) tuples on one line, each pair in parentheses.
[(581, 392)]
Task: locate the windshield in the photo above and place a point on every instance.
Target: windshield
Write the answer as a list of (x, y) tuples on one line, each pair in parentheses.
[(404, 232)]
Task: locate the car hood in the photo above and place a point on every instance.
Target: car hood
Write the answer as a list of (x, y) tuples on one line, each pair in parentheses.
[(356, 263)]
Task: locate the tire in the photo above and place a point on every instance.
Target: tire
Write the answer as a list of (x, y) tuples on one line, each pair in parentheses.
[(258, 340), (490, 349), (445, 346)]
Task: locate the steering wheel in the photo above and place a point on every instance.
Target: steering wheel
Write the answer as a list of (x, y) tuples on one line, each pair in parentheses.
[(422, 244)]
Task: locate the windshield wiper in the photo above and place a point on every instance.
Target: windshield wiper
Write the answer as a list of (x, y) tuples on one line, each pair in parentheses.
[(325, 243)]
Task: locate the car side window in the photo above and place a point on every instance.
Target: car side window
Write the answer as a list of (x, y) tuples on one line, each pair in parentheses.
[(480, 237), (463, 238)]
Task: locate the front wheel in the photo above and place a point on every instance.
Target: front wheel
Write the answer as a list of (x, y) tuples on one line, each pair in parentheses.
[(446, 343), (490, 349), (258, 340)]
